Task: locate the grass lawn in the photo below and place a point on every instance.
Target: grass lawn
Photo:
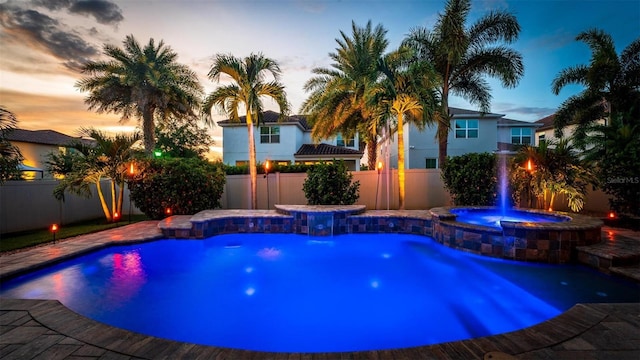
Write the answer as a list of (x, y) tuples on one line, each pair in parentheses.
[(15, 241)]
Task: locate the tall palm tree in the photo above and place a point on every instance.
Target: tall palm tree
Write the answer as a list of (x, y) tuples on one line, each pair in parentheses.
[(248, 89), (107, 158), (463, 56), (612, 85), (145, 82), (405, 93), (337, 101)]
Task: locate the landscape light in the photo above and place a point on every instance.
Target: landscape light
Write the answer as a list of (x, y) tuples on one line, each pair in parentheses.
[(167, 211), (379, 167), (529, 165), (157, 153), (54, 230), (612, 215), (131, 169)]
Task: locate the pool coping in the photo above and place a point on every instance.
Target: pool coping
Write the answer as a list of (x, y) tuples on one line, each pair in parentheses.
[(562, 331)]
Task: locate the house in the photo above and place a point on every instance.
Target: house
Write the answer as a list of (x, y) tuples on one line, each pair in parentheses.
[(35, 145), (546, 129), (470, 131), (285, 142)]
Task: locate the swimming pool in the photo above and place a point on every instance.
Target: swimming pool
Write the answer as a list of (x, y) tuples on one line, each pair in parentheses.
[(294, 293)]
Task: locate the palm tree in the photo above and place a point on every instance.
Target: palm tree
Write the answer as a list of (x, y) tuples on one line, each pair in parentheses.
[(10, 156), (107, 158), (337, 102), (463, 56), (405, 93), (614, 150), (557, 169), (247, 90), (143, 82), (612, 85)]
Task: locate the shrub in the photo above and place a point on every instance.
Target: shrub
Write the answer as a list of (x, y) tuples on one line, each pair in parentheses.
[(186, 186), (330, 184), (471, 179)]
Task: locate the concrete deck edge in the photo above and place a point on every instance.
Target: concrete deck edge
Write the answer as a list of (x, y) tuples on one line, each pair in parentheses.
[(56, 317)]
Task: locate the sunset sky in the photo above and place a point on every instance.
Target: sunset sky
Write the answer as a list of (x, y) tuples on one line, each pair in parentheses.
[(43, 43)]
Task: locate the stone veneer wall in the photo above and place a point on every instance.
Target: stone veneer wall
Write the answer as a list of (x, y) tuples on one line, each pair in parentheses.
[(553, 243)]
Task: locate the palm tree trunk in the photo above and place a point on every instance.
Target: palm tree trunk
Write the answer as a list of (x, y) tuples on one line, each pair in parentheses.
[(103, 202), (148, 129), (120, 198), (253, 171), (372, 152), (114, 206), (443, 133), (401, 184)]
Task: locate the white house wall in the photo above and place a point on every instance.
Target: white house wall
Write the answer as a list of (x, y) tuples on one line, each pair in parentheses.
[(420, 145)]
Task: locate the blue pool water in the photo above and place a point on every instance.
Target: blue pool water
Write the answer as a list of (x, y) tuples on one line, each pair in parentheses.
[(293, 293), (493, 217)]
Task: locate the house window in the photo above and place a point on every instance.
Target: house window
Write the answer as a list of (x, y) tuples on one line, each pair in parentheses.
[(466, 129), (432, 163), (541, 138), (348, 142), (521, 136), (270, 134)]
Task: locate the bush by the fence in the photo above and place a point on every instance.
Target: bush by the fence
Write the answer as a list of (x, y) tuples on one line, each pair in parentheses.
[(185, 186), (471, 179), (330, 184)]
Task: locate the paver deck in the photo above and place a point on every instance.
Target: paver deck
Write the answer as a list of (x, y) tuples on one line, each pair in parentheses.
[(45, 329)]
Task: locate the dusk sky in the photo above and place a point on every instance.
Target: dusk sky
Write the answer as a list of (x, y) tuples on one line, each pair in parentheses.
[(43, 43)]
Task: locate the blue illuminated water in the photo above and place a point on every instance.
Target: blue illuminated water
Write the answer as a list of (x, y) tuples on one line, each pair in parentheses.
[(493, 217), (293, 293)]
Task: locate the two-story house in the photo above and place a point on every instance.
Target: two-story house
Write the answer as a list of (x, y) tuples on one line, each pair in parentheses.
[(35, 146), (470, 131), (285, 142)]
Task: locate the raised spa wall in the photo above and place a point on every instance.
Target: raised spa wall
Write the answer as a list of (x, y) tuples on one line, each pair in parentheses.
[(553, 243)]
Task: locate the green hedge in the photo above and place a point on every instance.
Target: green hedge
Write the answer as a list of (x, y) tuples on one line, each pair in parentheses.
[(471, 179), (330, 184), (186, 186)]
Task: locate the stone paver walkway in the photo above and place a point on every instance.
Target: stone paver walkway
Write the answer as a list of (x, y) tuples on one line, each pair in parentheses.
[(45, 329)]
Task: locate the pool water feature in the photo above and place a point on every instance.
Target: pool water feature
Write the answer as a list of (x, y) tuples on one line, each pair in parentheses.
[(493, 217), (294, 293)]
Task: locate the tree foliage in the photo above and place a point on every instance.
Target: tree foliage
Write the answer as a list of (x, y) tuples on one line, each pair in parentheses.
[(108, 158), (182, 138), (10, 156), (186, 186), (145, 82), (471, 179), (555, 169), (337, 102), (330, 184), (614, 150), (463, 56), (611, 87)]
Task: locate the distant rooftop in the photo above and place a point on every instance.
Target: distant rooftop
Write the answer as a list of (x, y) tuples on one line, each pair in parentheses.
[(270, 117), (46, 137), (546, 123), (325, 150)]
